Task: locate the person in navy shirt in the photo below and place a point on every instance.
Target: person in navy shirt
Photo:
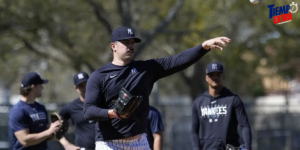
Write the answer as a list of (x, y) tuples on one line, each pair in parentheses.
[(155, 128), (28, 119), (216, 115), (84, 129), (138, 78)]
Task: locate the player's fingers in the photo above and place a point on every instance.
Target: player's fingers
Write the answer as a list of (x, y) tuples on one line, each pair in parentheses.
[(225, 39), (218, 42), (57, 123), (222, 42), (218, 47)]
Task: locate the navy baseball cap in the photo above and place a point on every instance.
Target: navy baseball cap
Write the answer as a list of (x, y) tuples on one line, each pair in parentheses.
[(80, 77), (32, 78), (123, 33), (214, 67)]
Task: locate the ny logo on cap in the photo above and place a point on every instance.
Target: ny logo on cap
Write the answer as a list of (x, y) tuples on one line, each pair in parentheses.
[(129, 31), (80, 76), (214, 66)]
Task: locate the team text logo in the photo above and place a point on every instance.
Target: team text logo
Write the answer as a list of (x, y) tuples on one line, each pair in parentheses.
[(213, 112)]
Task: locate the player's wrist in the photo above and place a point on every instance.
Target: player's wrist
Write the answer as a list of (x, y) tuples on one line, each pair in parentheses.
[(112, 114), (205, 46), (48, 135), (64, 142), (49, 132)]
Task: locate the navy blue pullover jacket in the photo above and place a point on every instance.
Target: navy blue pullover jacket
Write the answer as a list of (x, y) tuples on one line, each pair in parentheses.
[(215, 121), (138, 78)]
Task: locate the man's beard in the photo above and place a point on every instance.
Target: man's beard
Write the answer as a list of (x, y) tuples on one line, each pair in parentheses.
[(82, 95), (39, 95)]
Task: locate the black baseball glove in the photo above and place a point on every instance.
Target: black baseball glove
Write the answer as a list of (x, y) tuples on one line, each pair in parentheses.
[(64, 126), (126, 104)]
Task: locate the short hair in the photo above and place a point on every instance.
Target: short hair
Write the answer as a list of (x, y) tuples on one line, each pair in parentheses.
[(24, 91)]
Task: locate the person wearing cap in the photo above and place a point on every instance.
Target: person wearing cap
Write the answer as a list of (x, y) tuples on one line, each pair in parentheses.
[(84, 129), (217, 113), (137, 77), (28, 119)]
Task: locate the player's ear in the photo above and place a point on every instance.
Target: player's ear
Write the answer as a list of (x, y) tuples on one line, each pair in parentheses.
[(75, 87), (113, 46)]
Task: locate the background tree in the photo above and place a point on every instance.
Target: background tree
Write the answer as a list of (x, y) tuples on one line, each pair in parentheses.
[(59, 38)]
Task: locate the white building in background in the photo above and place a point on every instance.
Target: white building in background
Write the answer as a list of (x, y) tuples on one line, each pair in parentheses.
[(14, 99), (4, 95), (295, 86), (278, 103)]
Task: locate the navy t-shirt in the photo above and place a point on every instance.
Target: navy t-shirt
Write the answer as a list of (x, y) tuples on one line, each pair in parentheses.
[(84, 129), (28, 116), (154, 124), (137, 77)]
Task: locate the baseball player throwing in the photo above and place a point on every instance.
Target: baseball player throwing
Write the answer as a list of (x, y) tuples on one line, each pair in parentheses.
[(137, 77)]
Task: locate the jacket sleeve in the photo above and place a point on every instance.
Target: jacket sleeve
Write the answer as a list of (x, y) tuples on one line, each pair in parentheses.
[(93, 97), (169, 65), (195, 128), (243, 122), (65, 113)]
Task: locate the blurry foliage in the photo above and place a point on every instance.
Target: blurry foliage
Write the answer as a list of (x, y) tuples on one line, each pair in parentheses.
[(59, 38)]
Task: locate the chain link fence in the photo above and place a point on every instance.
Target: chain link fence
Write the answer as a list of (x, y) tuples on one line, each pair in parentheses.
[(273, 127)]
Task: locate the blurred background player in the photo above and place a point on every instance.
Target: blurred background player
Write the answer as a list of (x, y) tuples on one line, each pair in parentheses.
[(28, 119), (217, 114), (84, 129), (155, 128)]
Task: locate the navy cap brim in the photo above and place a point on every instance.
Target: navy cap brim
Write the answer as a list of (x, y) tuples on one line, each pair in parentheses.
[(81, 81), (44, 81), (136, 40), (214, 71)]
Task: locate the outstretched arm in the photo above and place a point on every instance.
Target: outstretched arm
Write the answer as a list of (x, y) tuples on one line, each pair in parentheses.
[(170, 65), (243, 122)]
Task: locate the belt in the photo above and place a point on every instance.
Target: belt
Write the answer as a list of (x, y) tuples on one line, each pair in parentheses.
[(131, 138)]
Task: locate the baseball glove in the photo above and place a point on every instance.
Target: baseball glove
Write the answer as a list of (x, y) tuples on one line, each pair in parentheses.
[(63, 126), (126, 104)]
